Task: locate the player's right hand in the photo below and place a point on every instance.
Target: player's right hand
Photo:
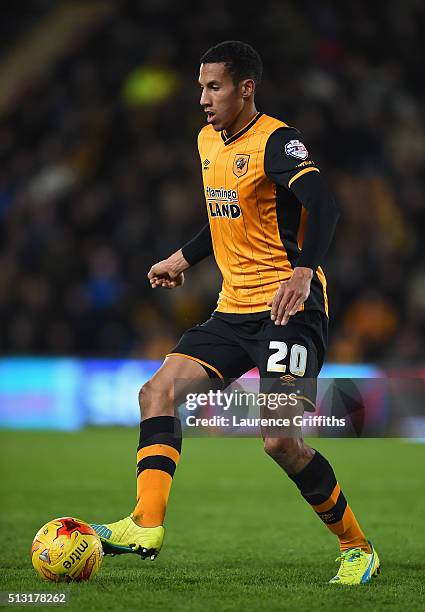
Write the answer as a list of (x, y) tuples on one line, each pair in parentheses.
[(163, 275)]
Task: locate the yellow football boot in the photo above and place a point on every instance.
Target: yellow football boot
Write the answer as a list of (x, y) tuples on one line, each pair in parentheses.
[(126, 536), (357, 566)]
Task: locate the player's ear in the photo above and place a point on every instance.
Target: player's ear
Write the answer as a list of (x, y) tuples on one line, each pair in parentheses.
[(248, 88)]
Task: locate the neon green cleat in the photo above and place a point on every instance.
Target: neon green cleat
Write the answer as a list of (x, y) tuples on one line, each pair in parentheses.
[(357, 566), (126, 536)]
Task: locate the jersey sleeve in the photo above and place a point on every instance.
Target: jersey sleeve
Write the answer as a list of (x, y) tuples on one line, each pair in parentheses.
[(286, 158), (199, 247), (322, 218)]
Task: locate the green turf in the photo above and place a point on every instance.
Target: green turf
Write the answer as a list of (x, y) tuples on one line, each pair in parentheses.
[(239, 536)]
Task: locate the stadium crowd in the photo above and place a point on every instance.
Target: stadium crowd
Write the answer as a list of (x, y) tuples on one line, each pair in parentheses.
[(100, 176)]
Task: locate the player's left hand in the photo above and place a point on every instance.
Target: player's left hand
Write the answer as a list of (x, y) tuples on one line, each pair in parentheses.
[(290, 296)]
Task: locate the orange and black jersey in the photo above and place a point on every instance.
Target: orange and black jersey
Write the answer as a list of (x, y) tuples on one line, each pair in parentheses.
[(260, 188)]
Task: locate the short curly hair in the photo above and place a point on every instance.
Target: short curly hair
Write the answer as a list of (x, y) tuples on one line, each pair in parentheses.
[(241, 60)]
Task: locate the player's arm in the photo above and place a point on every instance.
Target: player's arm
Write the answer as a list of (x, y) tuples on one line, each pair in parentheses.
[(287, 163), (169, 273), (314, 195), (199, 247)]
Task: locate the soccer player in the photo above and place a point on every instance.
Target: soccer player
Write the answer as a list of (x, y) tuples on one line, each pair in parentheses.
[(271, 220)]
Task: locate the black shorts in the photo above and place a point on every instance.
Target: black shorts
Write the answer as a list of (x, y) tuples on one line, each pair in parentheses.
[(228, 345)]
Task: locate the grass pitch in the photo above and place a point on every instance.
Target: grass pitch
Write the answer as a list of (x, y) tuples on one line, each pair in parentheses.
[(238, 534)]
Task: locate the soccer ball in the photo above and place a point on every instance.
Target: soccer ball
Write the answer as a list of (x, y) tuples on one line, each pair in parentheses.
[(66, 549)]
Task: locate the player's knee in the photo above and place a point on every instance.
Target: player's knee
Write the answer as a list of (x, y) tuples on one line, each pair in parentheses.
[(292, 454), (279, 448), (155, 400)]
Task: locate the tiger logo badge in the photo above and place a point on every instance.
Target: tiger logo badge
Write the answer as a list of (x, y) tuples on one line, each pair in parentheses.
[(240, 164)]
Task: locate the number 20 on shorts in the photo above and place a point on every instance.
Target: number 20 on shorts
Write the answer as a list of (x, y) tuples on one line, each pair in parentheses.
[(297, 358)]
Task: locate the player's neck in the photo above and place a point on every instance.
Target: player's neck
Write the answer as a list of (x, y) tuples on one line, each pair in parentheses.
[(246, 115)]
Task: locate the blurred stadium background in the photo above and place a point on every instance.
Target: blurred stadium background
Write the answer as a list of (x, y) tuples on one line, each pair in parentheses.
[(100, 178)]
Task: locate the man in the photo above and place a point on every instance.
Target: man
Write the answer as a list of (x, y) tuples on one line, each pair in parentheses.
[(271, 220)]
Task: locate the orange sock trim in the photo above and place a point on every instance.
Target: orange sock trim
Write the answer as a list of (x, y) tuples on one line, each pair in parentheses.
[(347, 528), (329, 503), (349, 532), (155, 466), (158, 449), (153, 490), (319, 487)]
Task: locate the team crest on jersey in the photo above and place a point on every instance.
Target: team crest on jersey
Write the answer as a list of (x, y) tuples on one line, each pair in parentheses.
[(240, 164), (295, 148)]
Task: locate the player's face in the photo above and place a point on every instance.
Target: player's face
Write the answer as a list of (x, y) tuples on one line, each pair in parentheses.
[(221, 99)]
